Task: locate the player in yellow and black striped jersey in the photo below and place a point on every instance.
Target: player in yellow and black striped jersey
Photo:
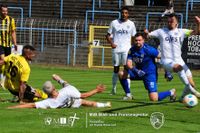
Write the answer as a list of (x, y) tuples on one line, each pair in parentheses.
[(7, 32), (17, 71)]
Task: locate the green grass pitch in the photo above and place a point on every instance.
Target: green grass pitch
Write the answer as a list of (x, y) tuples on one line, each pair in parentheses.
[(178, 118)]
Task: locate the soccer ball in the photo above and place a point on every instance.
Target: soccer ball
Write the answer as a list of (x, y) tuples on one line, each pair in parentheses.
[(190, 100)]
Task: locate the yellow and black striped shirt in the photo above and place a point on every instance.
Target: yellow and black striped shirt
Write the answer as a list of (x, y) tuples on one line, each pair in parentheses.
[(7, 25)]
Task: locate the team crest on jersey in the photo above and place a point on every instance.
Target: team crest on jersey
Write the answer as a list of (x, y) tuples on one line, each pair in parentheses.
[(176, 33)]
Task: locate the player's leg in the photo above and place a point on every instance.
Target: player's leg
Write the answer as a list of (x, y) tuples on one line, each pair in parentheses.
[(189, 75), (151, 85), (124, 61), (2, 78), (99, 88), (95, 104), (116, 65), (123, 76), (179, 68)]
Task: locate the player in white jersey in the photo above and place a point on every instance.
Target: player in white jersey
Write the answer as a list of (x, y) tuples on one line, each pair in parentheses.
[(171, 40), (66, 97), (119, 36)]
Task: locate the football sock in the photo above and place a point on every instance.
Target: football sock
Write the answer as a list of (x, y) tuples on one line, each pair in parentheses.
[(102, 105), (129, 83), (184, 79), (114, 80), (125, 85), (163, 95)]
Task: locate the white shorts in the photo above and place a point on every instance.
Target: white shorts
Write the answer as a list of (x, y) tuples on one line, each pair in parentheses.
[(119, 58), (168, 65), (77, 103)]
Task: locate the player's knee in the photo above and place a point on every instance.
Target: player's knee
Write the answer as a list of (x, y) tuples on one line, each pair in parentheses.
[(116, 69), (153, 99), (120, 74), (177, 68)]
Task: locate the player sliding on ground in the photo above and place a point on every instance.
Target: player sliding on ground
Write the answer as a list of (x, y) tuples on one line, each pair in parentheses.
[(143, 56), (171, 40), (67, 97), (17, 70)]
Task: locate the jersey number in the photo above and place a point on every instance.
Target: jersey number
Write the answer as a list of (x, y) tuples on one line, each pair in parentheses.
[(12, 69)]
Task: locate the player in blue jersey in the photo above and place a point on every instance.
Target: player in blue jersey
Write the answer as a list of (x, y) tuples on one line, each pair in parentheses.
[(143, 56)]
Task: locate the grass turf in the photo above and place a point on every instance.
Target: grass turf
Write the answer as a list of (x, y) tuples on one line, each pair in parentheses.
[(178, 118)]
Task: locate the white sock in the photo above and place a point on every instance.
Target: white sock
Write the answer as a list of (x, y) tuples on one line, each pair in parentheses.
[(183, 77), (128, 94), (114, 80), (102, 105), (129, 83)]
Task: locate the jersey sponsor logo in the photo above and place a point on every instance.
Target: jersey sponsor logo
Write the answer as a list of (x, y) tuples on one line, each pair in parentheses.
[(122, 31), (172, 39), (137, 60)]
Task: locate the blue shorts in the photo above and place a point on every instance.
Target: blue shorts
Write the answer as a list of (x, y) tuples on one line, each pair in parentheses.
[(149, 80)]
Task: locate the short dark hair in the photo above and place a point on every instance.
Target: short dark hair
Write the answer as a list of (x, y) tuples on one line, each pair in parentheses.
[(172, 15), (4, 5), (139, 34), (27, 47), (125, 8)]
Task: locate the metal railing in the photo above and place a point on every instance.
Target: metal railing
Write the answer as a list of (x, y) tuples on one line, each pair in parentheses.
[(104, 12), (159, 13), (187, 7), (21, 14)]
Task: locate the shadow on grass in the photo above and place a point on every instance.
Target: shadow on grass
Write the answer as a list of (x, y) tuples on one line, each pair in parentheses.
[(141, 104)]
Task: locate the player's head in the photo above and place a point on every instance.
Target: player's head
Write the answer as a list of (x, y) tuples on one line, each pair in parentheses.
[(4, 10), (124, 13), (139, 40), (172, 21), (28, 52), (48, 88)]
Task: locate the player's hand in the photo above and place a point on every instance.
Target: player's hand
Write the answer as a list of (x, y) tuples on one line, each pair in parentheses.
[(168, 76), (15, 47), (140, 73), (113, 45), (56, 77), (197, 19), (21, 102), (100, 88), (146, 31)]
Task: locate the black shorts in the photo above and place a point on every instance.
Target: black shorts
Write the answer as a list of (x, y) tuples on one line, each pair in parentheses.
[(7, 51), (29, 93)]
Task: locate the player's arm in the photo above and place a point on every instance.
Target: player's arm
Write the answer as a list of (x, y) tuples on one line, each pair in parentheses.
[(99, 88), (26, 105), (22, 89), (110, 41), (13, 34), (59, 80), (197, 30), (1, 61)]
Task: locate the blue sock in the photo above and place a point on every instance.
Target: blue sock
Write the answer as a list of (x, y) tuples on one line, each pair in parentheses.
[(125, 85), (163, 95)]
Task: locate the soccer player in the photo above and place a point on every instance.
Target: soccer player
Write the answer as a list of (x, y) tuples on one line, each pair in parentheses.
[(67, 97), (143, 56), (119, 36), (7, 32), (7, 36), (17, 71), (171, 39)]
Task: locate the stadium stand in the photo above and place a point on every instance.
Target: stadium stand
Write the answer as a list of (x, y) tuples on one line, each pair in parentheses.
[(46, 14)]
